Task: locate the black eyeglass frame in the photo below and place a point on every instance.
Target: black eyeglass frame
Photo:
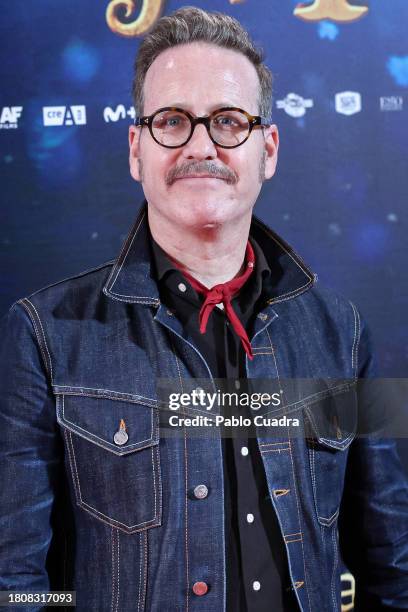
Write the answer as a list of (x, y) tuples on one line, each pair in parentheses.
[(253, 121)]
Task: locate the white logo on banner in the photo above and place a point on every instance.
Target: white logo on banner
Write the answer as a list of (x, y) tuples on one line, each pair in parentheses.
[(119, 113), (64, 115), (391, 103), (348, 102), (294, 105), (9, 117)]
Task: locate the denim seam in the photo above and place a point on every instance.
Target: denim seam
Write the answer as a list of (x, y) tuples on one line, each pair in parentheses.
[(106, 393), (140, 570), (43, 336), (293, 475), (99, 514), (335, 561), (117, 574), (354, 352), (325, 521), (112, 570), (286, 444), (91, 439), (186, 549), (126, 248), (144, 570), (275, 450), (27, 305)]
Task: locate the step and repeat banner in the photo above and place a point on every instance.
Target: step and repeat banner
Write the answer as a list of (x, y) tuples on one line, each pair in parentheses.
[(340, 102)]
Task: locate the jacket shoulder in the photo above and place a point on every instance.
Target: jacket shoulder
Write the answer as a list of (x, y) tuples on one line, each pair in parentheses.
[(84, 286)]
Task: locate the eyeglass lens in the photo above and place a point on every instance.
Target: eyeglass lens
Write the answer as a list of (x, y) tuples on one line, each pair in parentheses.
[(172, 128)]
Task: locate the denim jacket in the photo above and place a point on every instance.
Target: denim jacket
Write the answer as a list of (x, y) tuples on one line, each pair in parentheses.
[(119, 523)]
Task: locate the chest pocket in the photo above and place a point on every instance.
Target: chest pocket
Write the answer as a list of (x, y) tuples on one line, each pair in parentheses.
[(331, 426), (117, 482)]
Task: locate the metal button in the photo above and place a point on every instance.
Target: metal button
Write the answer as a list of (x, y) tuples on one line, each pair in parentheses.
[(244, 451), (182, 287), (262, 316), (120, 437), (200, 588), (250, 518), (200, 491), (256, 585)]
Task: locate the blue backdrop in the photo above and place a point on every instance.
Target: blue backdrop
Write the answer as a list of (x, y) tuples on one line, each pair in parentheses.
[(339, 196)]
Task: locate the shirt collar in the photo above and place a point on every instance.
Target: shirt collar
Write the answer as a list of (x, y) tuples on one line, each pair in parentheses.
[(169, 276), (132, 277)]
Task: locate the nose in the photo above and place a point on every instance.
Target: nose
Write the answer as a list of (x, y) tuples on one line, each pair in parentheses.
[(200, 145)]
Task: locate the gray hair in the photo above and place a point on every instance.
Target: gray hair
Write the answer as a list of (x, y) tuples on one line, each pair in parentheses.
[(191, 24)]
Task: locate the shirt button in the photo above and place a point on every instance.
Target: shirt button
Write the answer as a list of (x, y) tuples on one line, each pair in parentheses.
[(256, 585), (200, 588), (244, 451), (200, 491), (250, 518), (237, 384), (182, 287)]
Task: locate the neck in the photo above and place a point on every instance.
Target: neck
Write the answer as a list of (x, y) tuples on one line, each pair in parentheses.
[(211, 254)]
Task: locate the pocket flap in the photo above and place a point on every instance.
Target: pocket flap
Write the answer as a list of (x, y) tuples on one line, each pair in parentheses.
[(333, 419), (98, 419)]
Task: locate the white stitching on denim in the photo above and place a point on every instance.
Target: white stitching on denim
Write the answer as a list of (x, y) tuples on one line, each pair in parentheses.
[(186, 549), (335, 561), (284, 444), (289, 535), (75, 483), (275, 450), (90, 437), (43, 335), (38, 335), (117, 573), (113, 569), (106, 393), (99, 514), (140, 570), (125, 251), (293, 473), (329, 521), (354, 351), (145, 569)]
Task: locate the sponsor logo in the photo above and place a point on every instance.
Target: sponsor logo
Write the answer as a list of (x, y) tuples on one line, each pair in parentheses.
[(64, 115), (391, 103), (120, 112), (9, 117), (294, 105), (348, 102)]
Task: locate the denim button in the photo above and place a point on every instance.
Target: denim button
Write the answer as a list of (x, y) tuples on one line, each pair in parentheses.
[(244, 451), (200, 491), (256, 585), (121, 436), (250, 518), (182, 287), (200, 588)]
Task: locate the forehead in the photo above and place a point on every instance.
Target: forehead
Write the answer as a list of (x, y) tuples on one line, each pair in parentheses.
[(199, 77)]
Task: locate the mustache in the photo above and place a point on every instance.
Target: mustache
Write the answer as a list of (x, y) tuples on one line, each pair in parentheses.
[(201, 167)]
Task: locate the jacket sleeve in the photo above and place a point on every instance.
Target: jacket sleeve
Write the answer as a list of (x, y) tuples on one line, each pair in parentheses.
[(373, 523), (30, 456)]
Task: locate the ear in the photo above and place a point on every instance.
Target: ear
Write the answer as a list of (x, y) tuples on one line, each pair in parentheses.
[(271, 145), (134, 151)]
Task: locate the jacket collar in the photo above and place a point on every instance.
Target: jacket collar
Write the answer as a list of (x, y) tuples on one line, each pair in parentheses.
[(132, 277)]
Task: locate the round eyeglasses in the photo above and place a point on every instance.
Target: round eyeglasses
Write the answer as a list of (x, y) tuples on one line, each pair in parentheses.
[(228, 127)]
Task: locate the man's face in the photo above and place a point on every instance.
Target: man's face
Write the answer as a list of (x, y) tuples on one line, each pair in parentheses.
[(200, 78)]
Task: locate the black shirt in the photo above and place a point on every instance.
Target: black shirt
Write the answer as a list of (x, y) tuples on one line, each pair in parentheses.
[(256, 560)]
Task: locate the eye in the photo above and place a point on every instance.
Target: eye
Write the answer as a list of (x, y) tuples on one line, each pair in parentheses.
[(169, 121), (226, 121)]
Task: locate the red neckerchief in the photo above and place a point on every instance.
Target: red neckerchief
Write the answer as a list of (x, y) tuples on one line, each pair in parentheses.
[(223, 293)]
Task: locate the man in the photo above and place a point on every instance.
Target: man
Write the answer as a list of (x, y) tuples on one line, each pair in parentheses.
[(97, 498)]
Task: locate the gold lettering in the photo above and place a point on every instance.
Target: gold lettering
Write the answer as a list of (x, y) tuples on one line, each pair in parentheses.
[(336, 10), (149, 13)]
